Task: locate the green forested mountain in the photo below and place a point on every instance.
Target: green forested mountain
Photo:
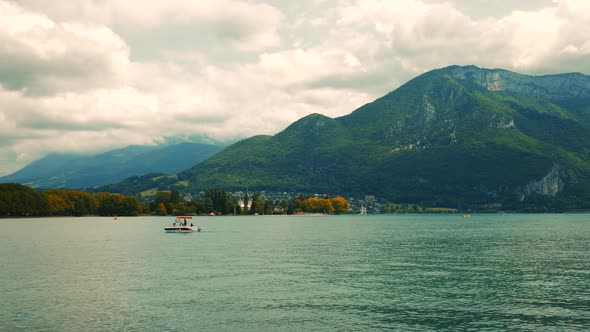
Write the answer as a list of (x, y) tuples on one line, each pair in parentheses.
[(459, 137), (83, 171)]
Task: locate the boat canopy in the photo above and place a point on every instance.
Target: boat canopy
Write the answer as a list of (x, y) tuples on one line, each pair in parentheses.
[(184, 217)]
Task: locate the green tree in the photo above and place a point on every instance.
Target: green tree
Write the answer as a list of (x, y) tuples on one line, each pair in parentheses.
[(246, 198), (220, 200), (162, 197), (268, 207), (175, 197), (19, 200), (255, 203), (120, 205)]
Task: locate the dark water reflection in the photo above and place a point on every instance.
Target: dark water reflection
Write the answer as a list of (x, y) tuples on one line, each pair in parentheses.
[(409, 272)]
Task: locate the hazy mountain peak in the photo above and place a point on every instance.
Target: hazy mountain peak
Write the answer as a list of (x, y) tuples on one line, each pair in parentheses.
[(81, 171)]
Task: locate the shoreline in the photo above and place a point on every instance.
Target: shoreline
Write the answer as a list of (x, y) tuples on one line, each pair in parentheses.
[(458, 214)]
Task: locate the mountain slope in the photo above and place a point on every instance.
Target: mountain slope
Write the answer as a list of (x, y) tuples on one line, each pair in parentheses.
[(76, 171), (457, 136)]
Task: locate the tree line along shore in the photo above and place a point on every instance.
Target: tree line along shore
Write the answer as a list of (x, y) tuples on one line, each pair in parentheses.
[(17, 200)]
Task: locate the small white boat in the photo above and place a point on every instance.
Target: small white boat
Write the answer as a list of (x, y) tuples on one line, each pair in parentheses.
[(180, 225)]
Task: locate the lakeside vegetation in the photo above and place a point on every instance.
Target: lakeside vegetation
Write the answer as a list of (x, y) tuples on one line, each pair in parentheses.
[(21, 201)]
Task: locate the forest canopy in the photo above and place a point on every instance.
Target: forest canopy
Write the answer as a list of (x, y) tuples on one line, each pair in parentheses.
[(17, 201)]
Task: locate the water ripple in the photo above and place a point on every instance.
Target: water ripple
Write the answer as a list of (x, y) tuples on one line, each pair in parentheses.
[(410, 273)]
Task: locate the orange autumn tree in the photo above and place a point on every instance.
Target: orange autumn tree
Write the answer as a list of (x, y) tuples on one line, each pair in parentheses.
[(161, 210), (57, 205), (70, 202), (65, 202), (315, 205), (340, 205)]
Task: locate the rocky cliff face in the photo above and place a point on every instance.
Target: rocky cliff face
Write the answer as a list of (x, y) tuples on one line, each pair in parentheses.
[(550, 184), (552, 87)]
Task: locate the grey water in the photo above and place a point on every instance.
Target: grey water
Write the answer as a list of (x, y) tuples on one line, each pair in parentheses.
[(297, 273)]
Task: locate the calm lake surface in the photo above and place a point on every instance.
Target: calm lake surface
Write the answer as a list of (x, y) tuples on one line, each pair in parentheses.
[(350, 273)]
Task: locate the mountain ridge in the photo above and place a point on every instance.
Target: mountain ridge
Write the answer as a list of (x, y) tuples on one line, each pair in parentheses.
[(84, 171), (455, 136)]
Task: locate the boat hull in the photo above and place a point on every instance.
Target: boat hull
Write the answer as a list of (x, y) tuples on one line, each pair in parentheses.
[(179, 230)]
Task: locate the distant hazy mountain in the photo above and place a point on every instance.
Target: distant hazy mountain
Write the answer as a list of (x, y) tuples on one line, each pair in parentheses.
[(78, 171), (458, 136)]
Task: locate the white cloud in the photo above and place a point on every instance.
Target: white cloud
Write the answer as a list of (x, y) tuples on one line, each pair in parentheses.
[(42, 56), (394, 40), (71, 78), (248, 26)]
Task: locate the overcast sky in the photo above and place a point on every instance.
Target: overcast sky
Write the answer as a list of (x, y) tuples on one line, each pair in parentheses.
[(91, 75)]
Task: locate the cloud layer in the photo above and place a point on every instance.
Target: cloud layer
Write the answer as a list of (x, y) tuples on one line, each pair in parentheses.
[(94, 75)]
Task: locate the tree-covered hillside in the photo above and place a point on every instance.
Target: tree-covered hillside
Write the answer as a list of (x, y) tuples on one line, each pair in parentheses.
[(459, 137)]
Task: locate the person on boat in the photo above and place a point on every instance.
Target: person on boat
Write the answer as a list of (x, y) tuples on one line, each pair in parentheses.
[(192, 224)]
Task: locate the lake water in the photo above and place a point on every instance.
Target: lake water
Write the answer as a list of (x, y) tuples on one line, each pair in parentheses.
[(350, 273)]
